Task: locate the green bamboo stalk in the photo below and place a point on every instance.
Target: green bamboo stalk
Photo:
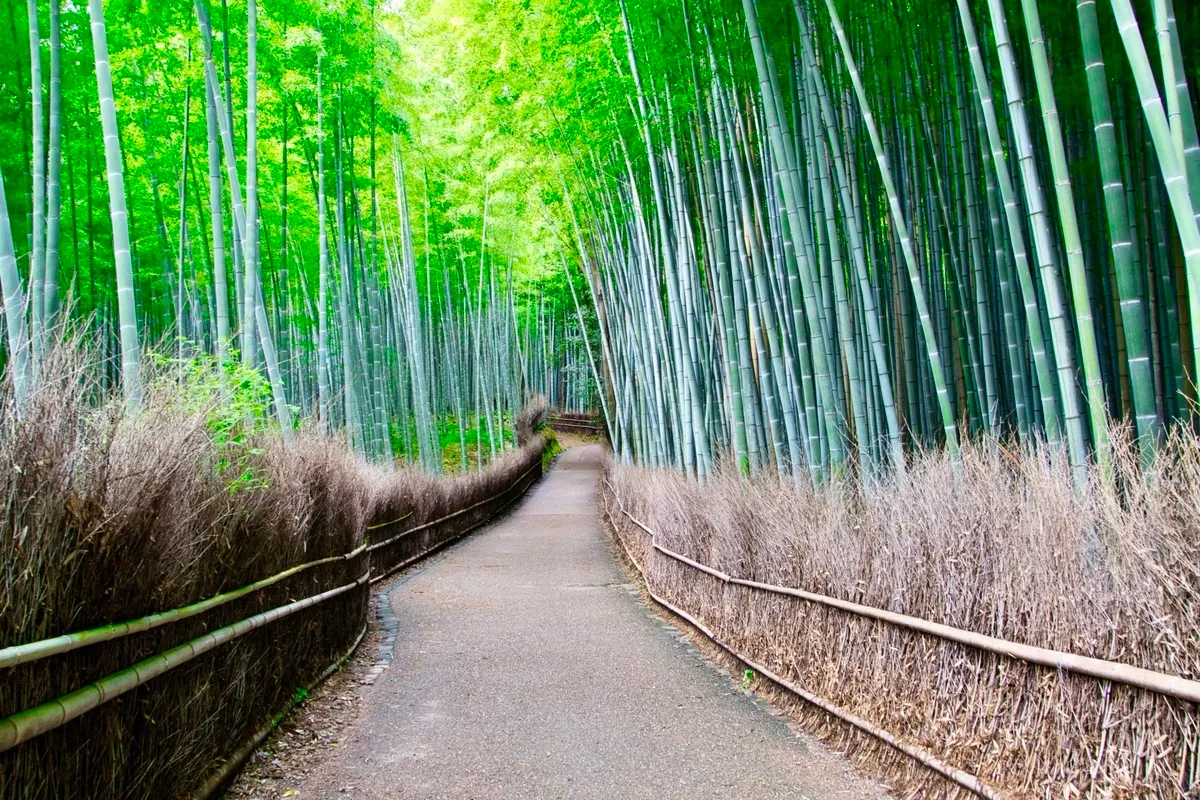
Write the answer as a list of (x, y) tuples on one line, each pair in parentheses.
[(1084, 326), (975, 244), (250, 235), (54, 171), (1049, 405), (1182, 203), (37, 256), (323, 372), (126, 304), (695, 433), (851, 217), (792, 196), (254, 293), (1133, 313), (849, 354), (345, 266), (906, 246), (225, 129), (183, 230), (1185, 133), (215, 205)]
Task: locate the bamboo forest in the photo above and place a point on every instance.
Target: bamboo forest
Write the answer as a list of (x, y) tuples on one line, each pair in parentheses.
[(345, 343)]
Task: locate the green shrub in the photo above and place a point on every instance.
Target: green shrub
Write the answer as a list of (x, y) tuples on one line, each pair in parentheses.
[(234, 400)]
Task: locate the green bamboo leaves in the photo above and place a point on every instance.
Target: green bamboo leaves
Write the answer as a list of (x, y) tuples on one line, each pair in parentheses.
[(815, 236)]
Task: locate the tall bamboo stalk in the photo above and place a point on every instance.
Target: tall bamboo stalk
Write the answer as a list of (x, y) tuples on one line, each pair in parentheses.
[(54, 170), (14, 306), (931, 347), (37, 256), (126, 303)]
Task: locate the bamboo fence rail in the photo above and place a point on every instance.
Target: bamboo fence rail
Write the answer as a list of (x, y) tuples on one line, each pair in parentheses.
[(572, 422), (24, 725), (417, 528), (1150, 680), (31, 722), (572, 426), (961, 777), (430, 551), (231, 765), (1160, 683), (33, 651)]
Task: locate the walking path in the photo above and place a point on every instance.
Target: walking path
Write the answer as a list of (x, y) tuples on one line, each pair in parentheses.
[(525, 668)]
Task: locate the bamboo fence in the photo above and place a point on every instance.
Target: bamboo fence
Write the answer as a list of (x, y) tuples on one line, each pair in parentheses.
[(1104, 672)]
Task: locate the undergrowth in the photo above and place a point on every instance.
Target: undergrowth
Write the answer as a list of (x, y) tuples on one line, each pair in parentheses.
[(474, 434), (553, 447), (114, 512)]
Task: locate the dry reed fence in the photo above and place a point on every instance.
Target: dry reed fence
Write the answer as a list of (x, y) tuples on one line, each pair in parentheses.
[(407, 512), (110, 516), (1004, 546)]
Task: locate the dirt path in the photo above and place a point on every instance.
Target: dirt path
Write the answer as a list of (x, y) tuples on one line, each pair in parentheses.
[(525, 668)]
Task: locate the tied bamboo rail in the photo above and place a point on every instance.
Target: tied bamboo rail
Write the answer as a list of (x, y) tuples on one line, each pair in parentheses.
[(234, 762), (33, 651), (1149, 680), (574, 424), (24, 725), (919, 754), (961, 777), (32, 722), (415, 529), (440, 545)]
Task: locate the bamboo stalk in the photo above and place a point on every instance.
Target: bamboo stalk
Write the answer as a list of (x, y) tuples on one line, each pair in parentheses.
[(126, 303)]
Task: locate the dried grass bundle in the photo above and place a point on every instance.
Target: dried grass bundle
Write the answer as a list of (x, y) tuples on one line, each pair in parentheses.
[(1003, 545), (410, 498), (112, 514)]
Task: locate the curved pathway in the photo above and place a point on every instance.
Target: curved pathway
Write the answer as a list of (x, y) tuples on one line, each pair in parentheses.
[(525, 667)]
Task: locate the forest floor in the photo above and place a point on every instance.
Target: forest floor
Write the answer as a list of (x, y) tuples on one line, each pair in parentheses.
[(526, 666)]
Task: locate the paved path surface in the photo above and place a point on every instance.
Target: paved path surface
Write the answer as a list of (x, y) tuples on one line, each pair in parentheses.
[(525, 668)]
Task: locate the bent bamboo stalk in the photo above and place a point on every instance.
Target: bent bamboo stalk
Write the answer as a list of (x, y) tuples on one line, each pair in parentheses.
[(25, 725), (390, 522)]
